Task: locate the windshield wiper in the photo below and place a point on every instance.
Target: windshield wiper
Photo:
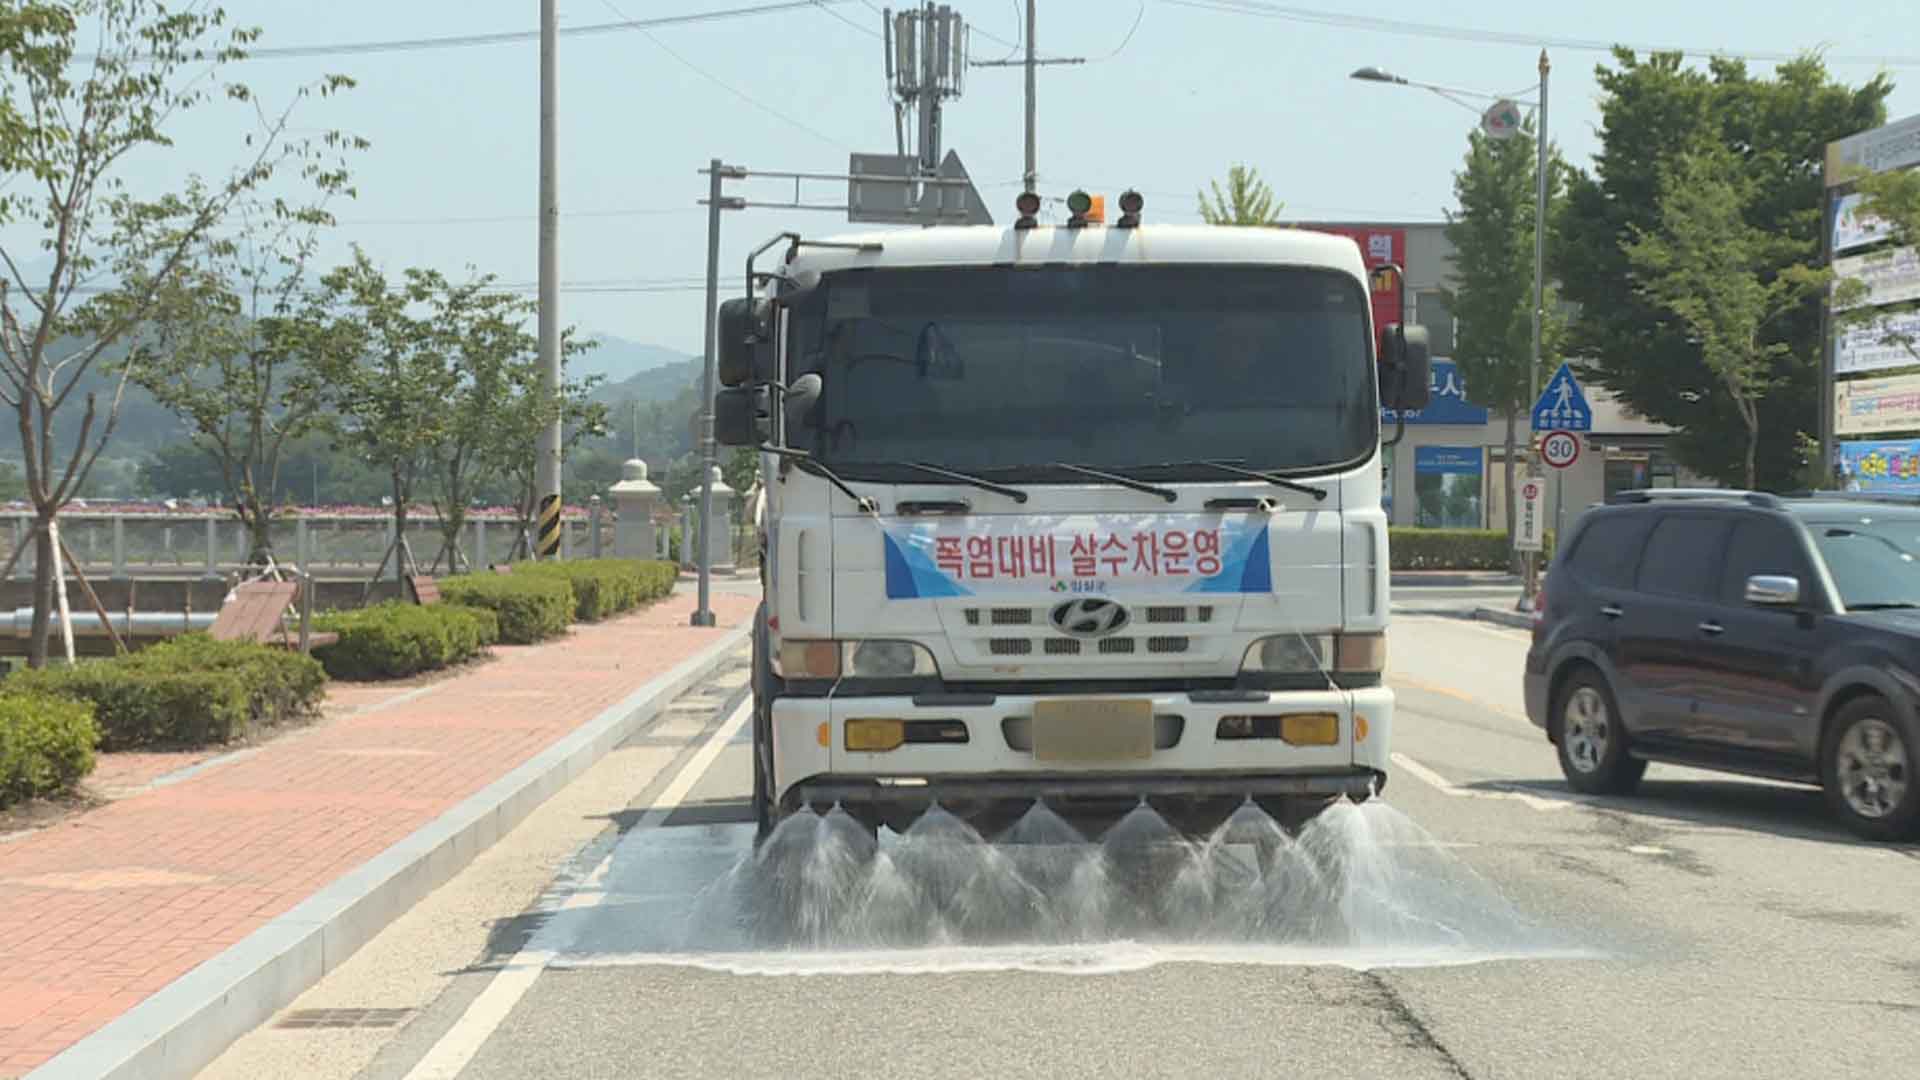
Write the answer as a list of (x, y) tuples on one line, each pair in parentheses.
[(1114, 478), (985, 485), (807, 462), (1885, 605), (1319, 493)]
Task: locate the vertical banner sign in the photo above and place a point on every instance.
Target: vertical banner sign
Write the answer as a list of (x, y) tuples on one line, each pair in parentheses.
[(1531, 526), (547, 545)]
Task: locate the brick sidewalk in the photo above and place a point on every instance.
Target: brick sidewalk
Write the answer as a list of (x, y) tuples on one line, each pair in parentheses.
[(102, 910)]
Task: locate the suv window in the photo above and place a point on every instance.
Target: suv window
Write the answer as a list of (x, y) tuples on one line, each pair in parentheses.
[(1608, 550), (1875, 562), (1760, 546), (1683, 556)]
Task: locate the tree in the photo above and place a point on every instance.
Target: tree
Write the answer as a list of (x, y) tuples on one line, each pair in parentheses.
[(234, 336), (181, 469), (1247, 201), (1894, 199), (527, 416), (72, 135), (1723, 281), (1493, 243), (386, 375), (1778, 128)]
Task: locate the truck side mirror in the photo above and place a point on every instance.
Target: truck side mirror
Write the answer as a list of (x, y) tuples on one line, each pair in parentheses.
[(745, 331), (741, 417), (1406, 376)]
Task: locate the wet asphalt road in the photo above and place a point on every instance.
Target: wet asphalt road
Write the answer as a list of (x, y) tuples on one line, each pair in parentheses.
[(1706, 927)]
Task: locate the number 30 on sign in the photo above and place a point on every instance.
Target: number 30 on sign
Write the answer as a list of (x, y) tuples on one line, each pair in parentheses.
[(1560, 449)]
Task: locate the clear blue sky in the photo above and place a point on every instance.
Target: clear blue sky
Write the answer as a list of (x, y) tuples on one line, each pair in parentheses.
[(454, 131)]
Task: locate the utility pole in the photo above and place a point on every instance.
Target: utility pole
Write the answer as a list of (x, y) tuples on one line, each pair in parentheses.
[(547, 464), (1030, 178), (1531, 584)]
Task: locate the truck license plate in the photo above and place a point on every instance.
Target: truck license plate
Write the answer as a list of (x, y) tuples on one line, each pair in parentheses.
[(1092, 730)]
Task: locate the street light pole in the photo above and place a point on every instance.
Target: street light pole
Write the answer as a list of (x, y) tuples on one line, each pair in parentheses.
[(1530, 586)]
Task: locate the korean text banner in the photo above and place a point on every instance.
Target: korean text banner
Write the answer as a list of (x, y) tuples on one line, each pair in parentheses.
[(1103, 554), (1881, 466), (1891, 277), (1879, 345), (1876, 406), (1448, 404)]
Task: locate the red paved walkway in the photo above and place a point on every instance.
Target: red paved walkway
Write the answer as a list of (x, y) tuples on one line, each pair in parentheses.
[(104, 909)]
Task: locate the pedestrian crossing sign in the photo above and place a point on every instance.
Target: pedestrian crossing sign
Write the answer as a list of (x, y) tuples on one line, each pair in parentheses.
[(1562, 405)]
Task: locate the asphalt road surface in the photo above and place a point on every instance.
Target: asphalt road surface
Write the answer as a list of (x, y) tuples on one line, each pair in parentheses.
[(1491, 925)]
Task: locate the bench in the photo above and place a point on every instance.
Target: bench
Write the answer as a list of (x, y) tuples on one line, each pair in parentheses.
[(255, 614), (425, 589)]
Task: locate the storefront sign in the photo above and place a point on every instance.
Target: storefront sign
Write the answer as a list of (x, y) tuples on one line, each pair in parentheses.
[(1448, 405), (1881, 466), (1876, 406), (1889, 342)]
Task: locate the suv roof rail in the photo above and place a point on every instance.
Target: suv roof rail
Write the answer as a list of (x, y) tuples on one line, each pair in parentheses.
[(1645, 495)]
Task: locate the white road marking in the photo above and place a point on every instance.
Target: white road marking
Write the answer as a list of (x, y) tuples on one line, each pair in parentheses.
[(490, 1008), (1446, 787), (1648, 849)]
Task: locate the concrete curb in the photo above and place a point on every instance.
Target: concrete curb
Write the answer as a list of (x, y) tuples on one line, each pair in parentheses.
[(1504, 618), (1449, 579), (191, 1021)]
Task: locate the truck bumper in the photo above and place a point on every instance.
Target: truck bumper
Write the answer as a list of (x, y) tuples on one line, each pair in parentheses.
[(995, 764)]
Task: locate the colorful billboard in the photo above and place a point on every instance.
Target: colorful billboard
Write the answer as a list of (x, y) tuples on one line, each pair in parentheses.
[(1881, 466), (1878, 346)]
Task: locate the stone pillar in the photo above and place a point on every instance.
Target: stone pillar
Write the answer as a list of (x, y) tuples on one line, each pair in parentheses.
[(720, 542), (634, 498)]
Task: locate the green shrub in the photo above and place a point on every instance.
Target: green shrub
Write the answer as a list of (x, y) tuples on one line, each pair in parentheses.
[(136, 705), (46, 744), (529, 607), (188, 691), (397, 639), (606, 587), (486, 620), (1453, 549)]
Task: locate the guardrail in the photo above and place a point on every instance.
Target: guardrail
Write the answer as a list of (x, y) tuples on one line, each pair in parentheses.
[(214, 543)]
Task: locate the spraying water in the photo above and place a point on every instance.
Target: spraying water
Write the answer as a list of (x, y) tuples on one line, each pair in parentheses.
[(1361, 885)]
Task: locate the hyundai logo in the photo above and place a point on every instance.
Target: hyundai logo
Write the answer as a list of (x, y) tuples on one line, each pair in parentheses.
[(1089, 617)]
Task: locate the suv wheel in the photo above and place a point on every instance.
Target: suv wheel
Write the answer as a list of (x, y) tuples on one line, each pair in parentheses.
[(1867, 769), (1591, 740)]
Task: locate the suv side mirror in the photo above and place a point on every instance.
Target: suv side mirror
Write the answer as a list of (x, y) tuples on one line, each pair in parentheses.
[(745, 332), (1773, 591), (741, 416), (1406, 375)]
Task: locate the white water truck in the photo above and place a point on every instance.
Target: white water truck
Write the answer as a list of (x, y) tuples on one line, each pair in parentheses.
[(1082, 513)]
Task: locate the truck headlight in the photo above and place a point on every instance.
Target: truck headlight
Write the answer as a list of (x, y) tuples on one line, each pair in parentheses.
[(1308, 654), (855, 659)]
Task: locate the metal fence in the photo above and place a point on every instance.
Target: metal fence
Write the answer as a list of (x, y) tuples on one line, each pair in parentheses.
[(214, 543)]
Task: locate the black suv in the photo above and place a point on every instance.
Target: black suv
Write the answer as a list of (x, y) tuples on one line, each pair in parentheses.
[(1742, 632)]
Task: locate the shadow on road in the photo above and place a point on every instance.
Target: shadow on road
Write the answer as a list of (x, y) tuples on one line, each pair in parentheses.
[(692, 812), (1794, 813)]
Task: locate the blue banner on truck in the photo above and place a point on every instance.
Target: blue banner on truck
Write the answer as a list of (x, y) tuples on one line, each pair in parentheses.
[(1104, 555)]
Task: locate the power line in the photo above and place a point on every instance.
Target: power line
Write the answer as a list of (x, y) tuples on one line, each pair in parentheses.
[(512, 37), (510, 219), (1499, 37), (1138, 17), (867, 30), (729, 87)]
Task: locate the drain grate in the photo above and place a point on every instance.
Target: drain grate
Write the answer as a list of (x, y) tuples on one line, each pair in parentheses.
[(344, 1018)]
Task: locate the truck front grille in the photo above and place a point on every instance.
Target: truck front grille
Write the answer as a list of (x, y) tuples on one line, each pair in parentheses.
[(1006, 632)]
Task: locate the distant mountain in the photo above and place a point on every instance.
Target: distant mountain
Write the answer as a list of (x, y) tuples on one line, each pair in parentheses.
[(655, 385), (618, 359)]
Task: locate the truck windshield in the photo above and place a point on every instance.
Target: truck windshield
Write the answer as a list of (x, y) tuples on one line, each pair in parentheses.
[(1133, 369)]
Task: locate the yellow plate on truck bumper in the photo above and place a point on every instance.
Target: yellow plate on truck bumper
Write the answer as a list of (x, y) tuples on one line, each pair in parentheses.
[(1092, 730)]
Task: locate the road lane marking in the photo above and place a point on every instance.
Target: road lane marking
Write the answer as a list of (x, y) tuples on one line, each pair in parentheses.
[(1446, 787), (484, 1015)]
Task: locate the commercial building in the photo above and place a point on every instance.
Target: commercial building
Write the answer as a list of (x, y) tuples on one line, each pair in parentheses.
[(1449, 469), (1871, 431)]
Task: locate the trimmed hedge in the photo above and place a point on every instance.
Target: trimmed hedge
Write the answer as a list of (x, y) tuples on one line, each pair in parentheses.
[(46, 744), (189, 691), (528, 607), (606, 587), (397, 639), (1453, 549)]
